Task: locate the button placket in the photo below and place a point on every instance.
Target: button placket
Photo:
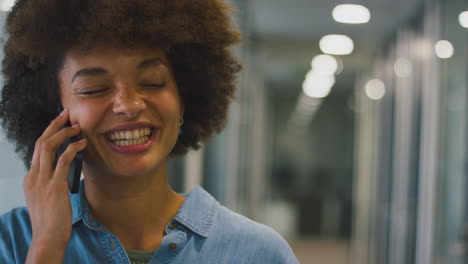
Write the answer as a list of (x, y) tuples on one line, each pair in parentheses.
[(172, 246)]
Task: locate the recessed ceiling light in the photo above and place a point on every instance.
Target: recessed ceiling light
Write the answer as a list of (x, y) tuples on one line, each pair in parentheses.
[(403, 67), (336, 44), (463, 19), (444, 49), (375, 89), (324, 64), (317, 85), (351, 14)]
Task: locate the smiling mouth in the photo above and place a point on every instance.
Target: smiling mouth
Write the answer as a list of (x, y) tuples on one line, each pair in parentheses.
[(124, 138)]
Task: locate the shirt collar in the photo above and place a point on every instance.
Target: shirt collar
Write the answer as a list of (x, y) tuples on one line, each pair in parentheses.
[(76, 201), (80, 210), (197, 212)]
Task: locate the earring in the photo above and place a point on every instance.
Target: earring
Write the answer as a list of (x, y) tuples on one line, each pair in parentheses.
[(181, 122)]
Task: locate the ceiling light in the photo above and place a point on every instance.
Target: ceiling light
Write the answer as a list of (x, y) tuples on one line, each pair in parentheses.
[(444, 49), (375, 89), (324, 64), (336, 44), (463, 19), (6, 5), (402, 67), (351, 14), (317, 85)]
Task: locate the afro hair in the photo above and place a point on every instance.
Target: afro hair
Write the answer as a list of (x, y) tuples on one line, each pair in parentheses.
[(195, 34)]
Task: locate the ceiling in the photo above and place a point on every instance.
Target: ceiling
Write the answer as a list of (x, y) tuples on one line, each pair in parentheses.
[(287, 32), (310, 19)]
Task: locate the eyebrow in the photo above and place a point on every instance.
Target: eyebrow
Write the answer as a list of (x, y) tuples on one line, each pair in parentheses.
[(88, 72), (100, 71)]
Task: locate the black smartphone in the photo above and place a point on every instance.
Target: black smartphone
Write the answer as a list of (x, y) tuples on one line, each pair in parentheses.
[(74, 174)]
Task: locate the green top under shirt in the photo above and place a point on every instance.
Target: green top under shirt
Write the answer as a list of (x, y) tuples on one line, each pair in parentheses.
[(138, 256)]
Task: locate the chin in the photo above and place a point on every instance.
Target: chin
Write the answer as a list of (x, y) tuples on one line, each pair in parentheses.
[(130, 166), (135, 169)]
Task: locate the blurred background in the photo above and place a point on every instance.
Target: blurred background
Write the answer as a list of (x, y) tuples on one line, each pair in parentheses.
[(348, 134)]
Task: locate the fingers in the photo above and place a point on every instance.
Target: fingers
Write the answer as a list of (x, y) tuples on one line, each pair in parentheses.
[(50, 146), (47, 196), (54, 126), (63, 163)]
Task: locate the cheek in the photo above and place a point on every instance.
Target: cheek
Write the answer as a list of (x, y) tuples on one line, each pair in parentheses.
[(88, 116), (168, 104)]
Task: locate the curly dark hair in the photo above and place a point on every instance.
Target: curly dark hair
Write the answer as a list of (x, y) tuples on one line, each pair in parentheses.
[(195, 35)]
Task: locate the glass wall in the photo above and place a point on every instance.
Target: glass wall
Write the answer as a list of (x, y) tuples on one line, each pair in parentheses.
[(451, 236), (410, 191)]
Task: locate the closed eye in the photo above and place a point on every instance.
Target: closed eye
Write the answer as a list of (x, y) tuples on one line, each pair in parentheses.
[(93, 92)]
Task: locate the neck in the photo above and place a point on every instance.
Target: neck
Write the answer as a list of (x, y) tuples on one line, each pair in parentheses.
[(135, 209)]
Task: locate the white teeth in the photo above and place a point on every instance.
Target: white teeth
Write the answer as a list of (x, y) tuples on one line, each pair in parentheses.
[(130, 142), (130, 134), (130, 137)]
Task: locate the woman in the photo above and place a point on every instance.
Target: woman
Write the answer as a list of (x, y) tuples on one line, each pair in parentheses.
[(140, 81)]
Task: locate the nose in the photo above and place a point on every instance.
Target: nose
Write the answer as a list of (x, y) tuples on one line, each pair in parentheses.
[(129, 102)]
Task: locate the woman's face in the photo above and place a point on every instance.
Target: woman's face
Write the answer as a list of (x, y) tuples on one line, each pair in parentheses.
[(127, 104)]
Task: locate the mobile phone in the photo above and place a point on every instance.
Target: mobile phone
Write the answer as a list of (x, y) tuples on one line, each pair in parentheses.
[(74, 174)]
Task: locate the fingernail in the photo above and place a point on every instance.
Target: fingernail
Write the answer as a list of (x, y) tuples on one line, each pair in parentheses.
[(84, 141), (75, 125), (63, 112)]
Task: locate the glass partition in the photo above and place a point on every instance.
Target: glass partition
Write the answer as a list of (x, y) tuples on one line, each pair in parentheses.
[(451, 235)]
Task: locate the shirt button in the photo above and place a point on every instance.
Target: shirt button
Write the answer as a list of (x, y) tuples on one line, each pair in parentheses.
[(172, 246), (173, 225)]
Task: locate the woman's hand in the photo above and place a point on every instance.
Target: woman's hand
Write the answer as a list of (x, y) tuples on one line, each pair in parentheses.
[(46, 191)]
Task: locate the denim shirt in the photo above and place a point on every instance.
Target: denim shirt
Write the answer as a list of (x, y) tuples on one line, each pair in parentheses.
[(203, 231)]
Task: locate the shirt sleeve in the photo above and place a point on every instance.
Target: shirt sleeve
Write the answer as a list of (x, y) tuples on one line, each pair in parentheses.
[(6, 247), (15, 236), (242, 240), (285, 255), (277, 250)]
